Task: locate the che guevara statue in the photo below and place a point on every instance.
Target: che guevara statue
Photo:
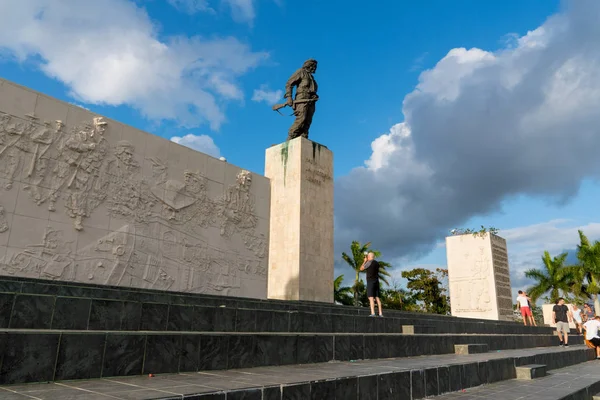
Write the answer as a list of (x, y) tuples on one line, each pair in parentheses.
[(303, 103)]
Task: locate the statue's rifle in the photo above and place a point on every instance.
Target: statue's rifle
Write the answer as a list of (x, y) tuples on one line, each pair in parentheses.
[(279, 106)]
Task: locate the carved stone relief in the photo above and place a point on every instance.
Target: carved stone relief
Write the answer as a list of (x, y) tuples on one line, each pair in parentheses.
[(162, 243)]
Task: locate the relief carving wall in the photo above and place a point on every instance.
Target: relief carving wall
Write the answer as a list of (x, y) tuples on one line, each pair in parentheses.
[(82, 202), (479, 277)]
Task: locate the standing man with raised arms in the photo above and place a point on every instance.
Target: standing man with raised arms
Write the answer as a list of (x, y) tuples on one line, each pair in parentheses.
[(372, 267)]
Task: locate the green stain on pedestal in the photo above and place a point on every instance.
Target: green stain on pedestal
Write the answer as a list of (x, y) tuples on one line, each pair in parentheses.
[(316, 146), (284, 158)]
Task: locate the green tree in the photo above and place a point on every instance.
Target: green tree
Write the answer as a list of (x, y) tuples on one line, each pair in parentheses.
[(556, 278), (426, 287), (588, 255), (355, 260), (342, 295), (396, 298)]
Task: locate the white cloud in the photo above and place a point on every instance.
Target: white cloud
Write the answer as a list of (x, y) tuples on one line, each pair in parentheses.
[(192, 6), (481, 126), (266, 95), (108, 52), (202, 143), (242, 11)]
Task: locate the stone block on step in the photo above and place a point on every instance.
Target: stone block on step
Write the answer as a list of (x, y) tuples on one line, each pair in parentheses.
[(472, 348), (531, 371)]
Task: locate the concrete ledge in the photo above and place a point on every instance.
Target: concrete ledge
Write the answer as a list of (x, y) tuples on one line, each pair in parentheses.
[(531, 371), (472, 348)]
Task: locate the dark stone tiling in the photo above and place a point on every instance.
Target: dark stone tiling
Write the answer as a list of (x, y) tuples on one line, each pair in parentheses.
[(131, 317), (275, 350), (249, 394), (80, 356), (264, 321), (444, 380), (6, 305), (32, 312), (296, 322), (224, 319), (190, 353), (124, 355), (341, 348), (245, 320), (357, 347), (241, 351), (154, 317), (296, 392), (271, 393), (203, 319), (10, 286), (180, 318), (28, 358), (456, 377), (105, 315), (367, 387), (213, 352), (346, 388), (431, 382), (162, 354), (71, 313), (417, 383), (322, 390)]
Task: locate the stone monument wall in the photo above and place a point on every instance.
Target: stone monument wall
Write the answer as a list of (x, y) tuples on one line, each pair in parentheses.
[(479, 277), (87, 199)]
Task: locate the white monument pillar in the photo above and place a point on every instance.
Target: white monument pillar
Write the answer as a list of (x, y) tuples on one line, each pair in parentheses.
[(301, 227), (479, 276)]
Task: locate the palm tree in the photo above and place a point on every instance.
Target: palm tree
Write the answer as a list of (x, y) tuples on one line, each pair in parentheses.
[(342, 295), (555, 278), (588, 255), (355, 261)]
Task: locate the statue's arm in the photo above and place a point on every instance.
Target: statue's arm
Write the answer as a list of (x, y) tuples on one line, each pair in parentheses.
[(293, 81)]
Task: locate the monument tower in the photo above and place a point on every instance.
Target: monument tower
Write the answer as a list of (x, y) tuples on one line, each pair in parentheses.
[(479, 276), (301, 226)]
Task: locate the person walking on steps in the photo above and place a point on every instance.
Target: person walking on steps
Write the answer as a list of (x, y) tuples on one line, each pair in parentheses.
[(561, 316), (372, 267)]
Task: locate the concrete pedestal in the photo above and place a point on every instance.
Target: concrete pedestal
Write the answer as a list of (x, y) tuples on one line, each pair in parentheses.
[(301, 228)]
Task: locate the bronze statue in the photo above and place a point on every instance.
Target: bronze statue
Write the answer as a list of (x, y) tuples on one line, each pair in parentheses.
[(303, 103)]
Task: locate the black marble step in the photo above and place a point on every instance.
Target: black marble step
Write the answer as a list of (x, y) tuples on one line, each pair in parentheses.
[(37, 304), (401, 378), (33, 356), (574, 382)]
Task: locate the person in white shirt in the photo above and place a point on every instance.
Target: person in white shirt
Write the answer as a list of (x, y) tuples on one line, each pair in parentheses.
[(577, 317), (591, 333), (523, 304)]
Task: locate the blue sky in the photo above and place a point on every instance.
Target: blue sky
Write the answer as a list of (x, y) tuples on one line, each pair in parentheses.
[(440, 114)]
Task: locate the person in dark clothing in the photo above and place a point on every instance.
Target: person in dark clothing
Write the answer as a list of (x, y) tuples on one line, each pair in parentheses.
[(372, 267), (561, 316)]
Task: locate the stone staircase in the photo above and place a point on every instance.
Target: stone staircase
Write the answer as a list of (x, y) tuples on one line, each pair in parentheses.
[(57, 332)]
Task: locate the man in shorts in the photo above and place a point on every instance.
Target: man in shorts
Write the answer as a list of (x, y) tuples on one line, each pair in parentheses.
[(524, 307), (372, 267), (561, 316), (591, 333)]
